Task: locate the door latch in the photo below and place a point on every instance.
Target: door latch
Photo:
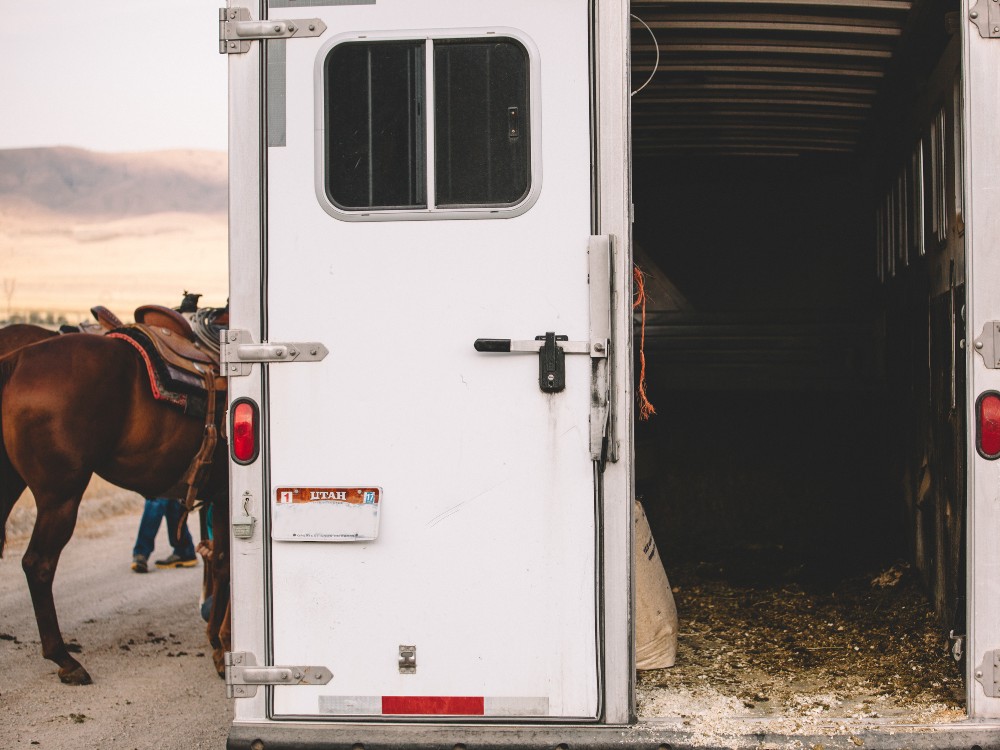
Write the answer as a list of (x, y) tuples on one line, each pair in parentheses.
[(552, 350), (238, 352), (551, 364), (237, 29), (407, 659), (243, 676)]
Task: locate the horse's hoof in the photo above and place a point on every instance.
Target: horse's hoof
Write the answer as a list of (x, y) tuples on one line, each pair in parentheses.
[(75, 676), (219, 659)]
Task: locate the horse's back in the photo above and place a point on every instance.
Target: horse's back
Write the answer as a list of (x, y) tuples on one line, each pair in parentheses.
[(76, 362), (18, 335)]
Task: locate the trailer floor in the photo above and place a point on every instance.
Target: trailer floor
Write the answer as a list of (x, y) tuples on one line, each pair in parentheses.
[(788, 655)]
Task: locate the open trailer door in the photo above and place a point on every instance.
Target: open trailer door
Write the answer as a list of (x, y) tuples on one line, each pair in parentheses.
[(981, 214), (429, 519)]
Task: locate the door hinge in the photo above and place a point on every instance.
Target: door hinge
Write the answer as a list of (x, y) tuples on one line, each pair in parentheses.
[(987, 345), (237, 29), (238, 352), (600, 259), (986, 16), (243, 676), (988, 673)]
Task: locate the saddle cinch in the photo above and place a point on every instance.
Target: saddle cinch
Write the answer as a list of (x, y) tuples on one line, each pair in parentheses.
[(182, 361)]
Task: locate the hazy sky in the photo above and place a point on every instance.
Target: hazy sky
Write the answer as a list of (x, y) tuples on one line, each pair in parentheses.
[(112, 75)]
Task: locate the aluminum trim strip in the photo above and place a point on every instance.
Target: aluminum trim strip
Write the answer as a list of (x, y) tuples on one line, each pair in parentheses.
[(315, 3), (276, 92)]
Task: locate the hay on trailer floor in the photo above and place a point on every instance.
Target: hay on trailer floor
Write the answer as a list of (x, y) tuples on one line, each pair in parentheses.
[(789, 656)]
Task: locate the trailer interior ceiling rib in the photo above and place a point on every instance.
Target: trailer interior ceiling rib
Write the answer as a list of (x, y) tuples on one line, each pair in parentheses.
[(438, 208)]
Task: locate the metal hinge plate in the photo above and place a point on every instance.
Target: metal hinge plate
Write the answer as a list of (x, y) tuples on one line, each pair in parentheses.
[(599, 255), (243, 676), (238, 352), (985, 14), (988, 674), (237, 29), (987, 345)]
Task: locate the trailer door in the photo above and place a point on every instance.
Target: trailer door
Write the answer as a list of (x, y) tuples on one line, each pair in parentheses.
[(432, 507)]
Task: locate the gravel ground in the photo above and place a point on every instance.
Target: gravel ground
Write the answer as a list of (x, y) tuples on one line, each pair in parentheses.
[(142, 641)]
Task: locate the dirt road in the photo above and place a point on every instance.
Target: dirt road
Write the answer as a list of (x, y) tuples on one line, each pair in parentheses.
[(142, 641)]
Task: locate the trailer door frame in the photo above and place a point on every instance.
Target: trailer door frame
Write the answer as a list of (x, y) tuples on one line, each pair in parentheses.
[(981, 113)]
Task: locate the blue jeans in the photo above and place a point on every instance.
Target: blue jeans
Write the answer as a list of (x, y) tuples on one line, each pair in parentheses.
[(156, 508)]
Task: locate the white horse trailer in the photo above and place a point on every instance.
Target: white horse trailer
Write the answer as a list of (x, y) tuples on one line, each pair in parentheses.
[(431, 358)]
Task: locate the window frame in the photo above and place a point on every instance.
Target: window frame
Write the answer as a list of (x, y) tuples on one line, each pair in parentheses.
[(431, 211)]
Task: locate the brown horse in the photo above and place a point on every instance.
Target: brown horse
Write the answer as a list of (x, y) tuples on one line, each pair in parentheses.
[(15, 336), (77, 405)]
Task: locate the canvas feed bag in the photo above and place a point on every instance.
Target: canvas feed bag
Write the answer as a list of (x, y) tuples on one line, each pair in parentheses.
[(655, 612)]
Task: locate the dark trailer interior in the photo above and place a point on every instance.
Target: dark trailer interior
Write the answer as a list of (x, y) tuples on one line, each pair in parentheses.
[(798, 214)]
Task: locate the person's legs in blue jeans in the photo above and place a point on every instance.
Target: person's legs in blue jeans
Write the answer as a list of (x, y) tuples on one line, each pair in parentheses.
[(149, 525)]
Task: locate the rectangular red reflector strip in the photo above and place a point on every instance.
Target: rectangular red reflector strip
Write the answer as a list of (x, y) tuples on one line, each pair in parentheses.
[(433, 704)]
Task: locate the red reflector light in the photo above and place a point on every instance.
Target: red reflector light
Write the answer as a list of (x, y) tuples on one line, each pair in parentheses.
[(245, 431), (988, 430), (397, 705)]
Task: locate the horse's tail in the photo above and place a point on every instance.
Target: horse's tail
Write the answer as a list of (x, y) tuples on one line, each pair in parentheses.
[(10, 481)]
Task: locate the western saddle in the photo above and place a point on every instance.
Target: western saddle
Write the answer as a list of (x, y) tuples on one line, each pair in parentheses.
[(183, 365)]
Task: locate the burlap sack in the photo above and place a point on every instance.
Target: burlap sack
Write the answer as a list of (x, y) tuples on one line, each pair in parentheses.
[(655, 612)]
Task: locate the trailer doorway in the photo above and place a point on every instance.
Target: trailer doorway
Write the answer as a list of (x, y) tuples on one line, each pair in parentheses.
[(797, 187)]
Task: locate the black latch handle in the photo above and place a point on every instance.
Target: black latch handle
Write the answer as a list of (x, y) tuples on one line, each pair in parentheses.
[(551, 364), (551, 350), (492, 345)]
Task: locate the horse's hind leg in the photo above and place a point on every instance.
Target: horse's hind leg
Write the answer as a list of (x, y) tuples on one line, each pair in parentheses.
[(53, 529), (11, 488)]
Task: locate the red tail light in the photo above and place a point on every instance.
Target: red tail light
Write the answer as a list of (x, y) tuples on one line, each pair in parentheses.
[(988, 427), (245, 432)]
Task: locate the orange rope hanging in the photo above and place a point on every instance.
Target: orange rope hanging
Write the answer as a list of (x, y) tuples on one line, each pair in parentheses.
[(646, 409)]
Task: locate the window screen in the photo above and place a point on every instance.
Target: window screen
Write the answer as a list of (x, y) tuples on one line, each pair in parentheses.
[(374, 125), (480, 122), (376, 154)]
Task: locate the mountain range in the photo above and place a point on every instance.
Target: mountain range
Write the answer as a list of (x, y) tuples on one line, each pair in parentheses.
[(77, 182)]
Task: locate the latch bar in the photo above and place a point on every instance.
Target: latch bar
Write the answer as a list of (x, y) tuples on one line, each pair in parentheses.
[(243, 676), (237, 29), (551, 350), (238, 352), (533, 346)]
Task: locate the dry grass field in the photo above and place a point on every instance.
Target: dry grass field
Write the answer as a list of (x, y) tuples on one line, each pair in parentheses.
[(66, 265)]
